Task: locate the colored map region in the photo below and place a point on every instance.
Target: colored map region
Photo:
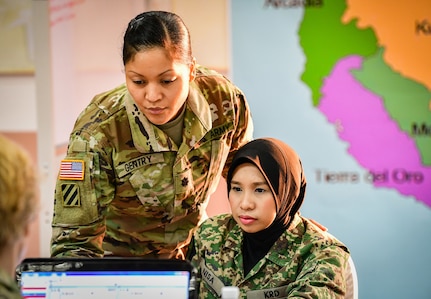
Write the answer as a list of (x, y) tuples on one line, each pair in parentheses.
[(403, 28), (369, 74), (405, 100), (325, 40), (375, 139)]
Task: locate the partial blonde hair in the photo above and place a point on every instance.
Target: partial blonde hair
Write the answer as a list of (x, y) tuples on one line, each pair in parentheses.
[(19, 199)]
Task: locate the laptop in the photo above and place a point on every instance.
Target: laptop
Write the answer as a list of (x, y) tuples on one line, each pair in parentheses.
[(106, 278)]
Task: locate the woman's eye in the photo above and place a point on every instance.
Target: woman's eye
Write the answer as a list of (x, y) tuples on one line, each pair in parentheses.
[(138, 82), (168, 81), (260, 190), (236, 189)]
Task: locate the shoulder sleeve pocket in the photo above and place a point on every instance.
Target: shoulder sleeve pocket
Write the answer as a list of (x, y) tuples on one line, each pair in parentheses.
[(75, 199)]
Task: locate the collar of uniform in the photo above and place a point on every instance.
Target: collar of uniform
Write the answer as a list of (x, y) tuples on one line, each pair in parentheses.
[(234, 238), (284, 248), (197, 119), (149, 138), (146, 136), (8, 283), (200, 107)]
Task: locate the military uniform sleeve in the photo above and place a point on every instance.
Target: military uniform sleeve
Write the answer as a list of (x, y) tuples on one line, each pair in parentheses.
[(194, 252), (322, 274), (210, 234), (244, 127), (83, 191), (194, 255)]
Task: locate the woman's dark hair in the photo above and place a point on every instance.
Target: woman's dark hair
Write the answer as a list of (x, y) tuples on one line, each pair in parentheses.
[(154, 29)]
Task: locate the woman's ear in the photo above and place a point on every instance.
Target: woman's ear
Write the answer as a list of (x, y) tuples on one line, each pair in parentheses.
[(192, 70), (27, 229)]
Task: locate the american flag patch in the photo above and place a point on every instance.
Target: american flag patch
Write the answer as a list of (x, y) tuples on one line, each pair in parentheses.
[(71, 170)]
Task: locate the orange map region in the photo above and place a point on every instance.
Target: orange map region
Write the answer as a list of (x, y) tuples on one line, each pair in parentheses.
[(403, 28)]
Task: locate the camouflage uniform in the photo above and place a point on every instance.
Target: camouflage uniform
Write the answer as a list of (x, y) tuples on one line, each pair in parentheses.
[(127, 189), (8, 287), (305, 262)]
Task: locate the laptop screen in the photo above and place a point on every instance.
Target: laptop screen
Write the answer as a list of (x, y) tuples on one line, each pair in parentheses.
[(105, 278)]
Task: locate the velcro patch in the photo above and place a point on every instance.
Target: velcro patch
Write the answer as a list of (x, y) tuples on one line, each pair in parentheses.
[(71, 197), (217, 132), (72, 170), (211, 279), (139, 162)]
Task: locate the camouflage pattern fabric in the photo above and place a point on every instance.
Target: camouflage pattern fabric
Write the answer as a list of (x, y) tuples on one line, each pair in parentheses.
[(8, 287), (126, 189), (305, 262)]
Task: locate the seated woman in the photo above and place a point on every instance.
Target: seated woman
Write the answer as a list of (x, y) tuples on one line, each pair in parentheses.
[(265, 247)]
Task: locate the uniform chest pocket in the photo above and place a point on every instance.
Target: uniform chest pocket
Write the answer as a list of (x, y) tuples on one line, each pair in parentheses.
[(155, 190)]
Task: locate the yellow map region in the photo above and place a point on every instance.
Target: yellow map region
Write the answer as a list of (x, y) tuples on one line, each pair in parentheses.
[(403, 28)]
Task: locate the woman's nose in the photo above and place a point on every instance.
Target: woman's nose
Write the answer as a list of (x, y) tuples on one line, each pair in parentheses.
[(246, 203), (152, 93)]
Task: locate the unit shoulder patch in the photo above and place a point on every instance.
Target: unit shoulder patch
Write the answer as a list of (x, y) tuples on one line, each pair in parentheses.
[(71, 197)]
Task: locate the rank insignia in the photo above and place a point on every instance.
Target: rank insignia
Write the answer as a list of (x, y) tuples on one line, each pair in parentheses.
[(71, 196), (72, 170)]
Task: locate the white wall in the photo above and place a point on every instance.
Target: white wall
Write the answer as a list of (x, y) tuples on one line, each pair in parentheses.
[(18, 101)]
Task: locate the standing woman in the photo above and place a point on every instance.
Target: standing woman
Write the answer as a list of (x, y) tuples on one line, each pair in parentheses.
[(144, 157)]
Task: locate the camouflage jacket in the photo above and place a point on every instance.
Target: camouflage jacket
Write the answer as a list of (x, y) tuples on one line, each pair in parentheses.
[(126, 189), (8, 287), (305, 262)]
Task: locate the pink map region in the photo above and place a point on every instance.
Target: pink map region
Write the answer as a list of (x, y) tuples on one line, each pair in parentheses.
[(375, 140)]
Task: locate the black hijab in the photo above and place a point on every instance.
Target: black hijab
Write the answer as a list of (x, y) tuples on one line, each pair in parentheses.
[(282, 169)]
